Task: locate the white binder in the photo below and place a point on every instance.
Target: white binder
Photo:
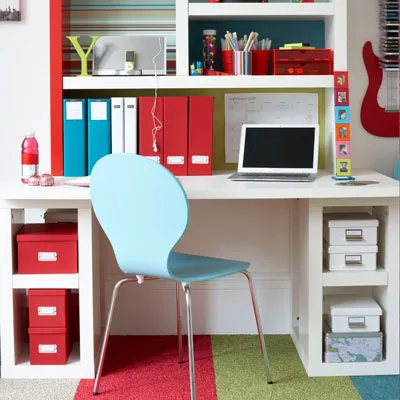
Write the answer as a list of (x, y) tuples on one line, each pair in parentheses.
[(117, 125), (130, 125)]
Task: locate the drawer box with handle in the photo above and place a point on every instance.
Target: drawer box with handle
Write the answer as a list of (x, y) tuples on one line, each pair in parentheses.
[(49, 308), (350, 229), (49, 346), (350, 258), (352, 347), (48, 248), (352, 313)]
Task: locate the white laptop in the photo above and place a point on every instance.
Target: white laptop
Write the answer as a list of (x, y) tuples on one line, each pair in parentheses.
[(278, 153)]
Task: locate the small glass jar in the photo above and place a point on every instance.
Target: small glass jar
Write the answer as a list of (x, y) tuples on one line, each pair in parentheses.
[(210, 49)]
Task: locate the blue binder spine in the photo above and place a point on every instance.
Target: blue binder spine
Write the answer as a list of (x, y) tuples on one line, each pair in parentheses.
[(99, 130), (74, 137)]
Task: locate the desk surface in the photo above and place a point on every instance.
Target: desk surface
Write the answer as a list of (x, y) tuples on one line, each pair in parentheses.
[(218, 186)]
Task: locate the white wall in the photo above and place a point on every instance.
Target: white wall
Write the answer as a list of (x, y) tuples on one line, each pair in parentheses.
[(24, 86), (367, 151), (228, 229)]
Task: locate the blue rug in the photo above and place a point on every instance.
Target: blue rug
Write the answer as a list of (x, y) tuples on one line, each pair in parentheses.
[(377, 387)]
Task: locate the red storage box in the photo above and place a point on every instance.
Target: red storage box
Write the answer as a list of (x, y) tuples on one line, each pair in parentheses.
[(303, 62), (49, 308), (307, 68), (48, 248), (49, 346)]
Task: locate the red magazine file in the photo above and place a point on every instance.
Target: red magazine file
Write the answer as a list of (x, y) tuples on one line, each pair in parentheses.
[(146, 127), (201, 112), (176, 135)]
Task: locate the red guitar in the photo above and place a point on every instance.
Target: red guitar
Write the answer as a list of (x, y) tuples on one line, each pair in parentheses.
[(375, 119)]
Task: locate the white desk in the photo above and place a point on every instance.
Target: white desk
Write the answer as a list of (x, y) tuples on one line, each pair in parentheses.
[(310, 282)]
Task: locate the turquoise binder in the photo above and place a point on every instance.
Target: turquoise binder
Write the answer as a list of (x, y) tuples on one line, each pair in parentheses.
[(74, 137), (99, 130)]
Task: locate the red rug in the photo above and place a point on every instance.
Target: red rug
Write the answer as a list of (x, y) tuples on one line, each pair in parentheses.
[(146, 367)]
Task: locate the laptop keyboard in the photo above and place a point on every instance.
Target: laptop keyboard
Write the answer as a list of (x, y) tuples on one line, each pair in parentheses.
[(247, 176), (256, 175)]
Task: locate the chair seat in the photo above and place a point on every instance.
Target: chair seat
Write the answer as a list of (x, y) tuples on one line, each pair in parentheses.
[(192, 268)]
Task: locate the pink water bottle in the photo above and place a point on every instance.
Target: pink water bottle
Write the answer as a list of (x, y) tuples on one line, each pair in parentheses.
[(29, 157)]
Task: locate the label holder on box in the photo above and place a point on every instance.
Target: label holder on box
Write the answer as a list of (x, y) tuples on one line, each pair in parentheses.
[(356, 322)]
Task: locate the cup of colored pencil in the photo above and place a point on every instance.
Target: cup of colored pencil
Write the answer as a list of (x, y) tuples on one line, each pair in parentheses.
[(252, 57)]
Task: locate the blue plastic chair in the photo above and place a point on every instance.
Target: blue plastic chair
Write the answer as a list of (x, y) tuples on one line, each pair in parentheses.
[(396, 172), (154, 214)]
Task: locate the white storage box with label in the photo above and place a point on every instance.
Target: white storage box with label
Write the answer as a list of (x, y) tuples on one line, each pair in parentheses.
[(352, 313), (350, 258), (352, 229)]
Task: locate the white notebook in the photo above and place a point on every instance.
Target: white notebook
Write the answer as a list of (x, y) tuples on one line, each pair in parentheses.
[(117, 125), (84, 181), (130, 115)]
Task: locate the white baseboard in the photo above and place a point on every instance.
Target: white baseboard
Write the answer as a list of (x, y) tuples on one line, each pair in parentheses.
[(221, 306)]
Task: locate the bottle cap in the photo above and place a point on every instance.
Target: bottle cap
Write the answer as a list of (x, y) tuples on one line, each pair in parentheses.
[(209, 32), (30, 134)]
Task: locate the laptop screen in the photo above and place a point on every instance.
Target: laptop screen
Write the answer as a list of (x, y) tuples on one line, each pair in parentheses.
[(279, 147)]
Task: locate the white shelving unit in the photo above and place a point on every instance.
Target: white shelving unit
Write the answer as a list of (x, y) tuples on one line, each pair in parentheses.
[(48, 281), (261, 11), (309, 279), (311, 282), (13, 294), (198, 82), (363, 278)]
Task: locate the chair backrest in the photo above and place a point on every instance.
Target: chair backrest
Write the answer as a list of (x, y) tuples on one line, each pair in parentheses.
[(142, 209), (397, 170)]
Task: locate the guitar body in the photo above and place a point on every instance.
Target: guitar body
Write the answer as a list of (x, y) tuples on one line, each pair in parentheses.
[(374, 118)]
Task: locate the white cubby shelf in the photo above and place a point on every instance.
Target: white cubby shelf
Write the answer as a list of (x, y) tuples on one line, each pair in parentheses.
[(260, 11), (46, 281), (198, 82)]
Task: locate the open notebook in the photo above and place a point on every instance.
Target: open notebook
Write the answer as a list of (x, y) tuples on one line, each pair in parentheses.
[(82, 182)]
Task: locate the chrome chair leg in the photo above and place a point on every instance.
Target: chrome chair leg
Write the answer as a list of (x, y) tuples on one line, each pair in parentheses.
[(259, 326), (186, 288), (179, 321), (107, 330)]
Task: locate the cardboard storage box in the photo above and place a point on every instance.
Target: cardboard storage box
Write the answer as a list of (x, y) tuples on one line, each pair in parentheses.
[(48, 248), (352, 347), (49, 308), (352, 313), (350, 258), (352, 229), (49, 346)]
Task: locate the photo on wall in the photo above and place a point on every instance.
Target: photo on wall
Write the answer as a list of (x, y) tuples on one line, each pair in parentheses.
[(341, 97), (10, 10), (342, 114), (342, 132), (341, 79), (343, 150), (343, 167)]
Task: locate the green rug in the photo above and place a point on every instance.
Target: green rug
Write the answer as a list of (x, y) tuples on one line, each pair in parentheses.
[(240, 373)]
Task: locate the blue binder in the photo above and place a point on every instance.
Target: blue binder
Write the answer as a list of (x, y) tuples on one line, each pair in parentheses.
[(74, 137), (99, 130)]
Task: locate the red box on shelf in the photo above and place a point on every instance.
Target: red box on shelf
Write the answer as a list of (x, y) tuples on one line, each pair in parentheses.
[(49, 308), (48, 248), (303, 62), (49, 346)]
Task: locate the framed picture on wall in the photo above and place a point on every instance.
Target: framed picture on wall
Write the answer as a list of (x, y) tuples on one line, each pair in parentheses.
[(343, 167), (10, 10)]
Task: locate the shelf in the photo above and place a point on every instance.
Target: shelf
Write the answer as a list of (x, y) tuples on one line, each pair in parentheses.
[(24, 370), (236, 11), (197, 82), (46, 281), (355, 278)]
